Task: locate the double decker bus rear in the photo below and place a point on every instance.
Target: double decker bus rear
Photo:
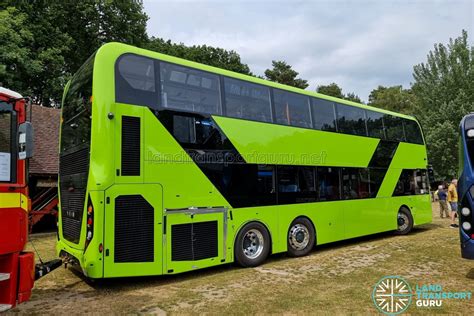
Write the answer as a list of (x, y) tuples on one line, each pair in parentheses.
[(466, 186)]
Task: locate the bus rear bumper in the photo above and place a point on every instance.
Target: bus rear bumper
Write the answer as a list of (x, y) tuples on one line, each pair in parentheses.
[(467, 246), (79, 260)]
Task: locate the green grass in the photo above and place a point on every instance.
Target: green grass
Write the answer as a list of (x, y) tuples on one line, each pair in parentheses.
[(334, 279)]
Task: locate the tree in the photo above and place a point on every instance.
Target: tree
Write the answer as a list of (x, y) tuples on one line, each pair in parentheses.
[(212, 56), (393, 98), (283, 73), (445, 93), (332, 90), (351, 96), (56, 37)]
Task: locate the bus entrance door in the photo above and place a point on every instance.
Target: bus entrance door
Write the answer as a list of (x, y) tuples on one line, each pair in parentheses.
[(133, 230)]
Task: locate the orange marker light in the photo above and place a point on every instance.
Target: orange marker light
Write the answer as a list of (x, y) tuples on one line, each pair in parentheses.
[(89, 209), (101, 248)]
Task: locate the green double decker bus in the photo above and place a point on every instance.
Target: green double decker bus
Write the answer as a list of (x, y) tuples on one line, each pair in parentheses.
[(168, 165)]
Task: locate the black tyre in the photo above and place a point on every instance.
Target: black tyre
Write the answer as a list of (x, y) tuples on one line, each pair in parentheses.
[(252, 245), (404, 221), (301, 237)]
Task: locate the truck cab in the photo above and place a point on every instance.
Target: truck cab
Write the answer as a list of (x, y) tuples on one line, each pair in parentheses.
[(17, 269)]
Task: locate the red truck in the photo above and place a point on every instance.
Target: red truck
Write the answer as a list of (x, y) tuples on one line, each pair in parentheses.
[(17, 267)]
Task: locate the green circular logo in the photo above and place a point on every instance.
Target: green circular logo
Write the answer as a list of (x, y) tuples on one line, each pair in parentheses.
[(392, 295)]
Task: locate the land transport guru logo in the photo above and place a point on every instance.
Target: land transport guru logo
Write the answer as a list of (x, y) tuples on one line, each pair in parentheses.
[(392, 295)]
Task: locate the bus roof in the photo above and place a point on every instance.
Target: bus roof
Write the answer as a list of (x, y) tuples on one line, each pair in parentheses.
[(120, 48)]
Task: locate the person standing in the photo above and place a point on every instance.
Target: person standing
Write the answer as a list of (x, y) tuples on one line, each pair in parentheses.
[(453, 201), (443, 204)]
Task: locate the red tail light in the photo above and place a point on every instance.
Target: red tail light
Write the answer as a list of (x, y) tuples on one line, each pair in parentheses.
[(90, 223)]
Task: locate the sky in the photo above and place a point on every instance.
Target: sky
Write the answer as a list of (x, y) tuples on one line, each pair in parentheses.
[(357, 44)]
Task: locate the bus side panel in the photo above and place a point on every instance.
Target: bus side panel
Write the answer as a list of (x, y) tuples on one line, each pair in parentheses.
[(421, 209), (92, 260), (167, 163), (133, 242)]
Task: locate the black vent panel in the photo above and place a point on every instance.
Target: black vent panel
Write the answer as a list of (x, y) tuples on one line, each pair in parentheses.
[(72, 207), (196, 241), (134, 229), (130, 146), (74, 163)]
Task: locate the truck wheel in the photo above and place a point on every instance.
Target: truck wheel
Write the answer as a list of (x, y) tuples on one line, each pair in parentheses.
[(252, 245)]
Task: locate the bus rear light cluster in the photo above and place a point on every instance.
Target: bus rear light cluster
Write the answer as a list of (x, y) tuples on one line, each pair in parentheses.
[(466, 226), (465, 211), (470, 133), (90, 223)]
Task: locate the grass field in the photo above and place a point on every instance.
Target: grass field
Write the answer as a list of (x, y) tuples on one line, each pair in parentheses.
[(334, 279)]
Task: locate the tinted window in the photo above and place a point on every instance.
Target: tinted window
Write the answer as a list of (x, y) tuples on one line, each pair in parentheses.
[(243, 185), (195, 131), (406, 183), (412, 132), (422, 183), (375, 126), (328, 183), (323, 115), (135, 81), (351, 120), (77, 109), (394, 128), (296, 185), (247, 100), (189, 89), (376, 179), (355, 183), (291, 109)]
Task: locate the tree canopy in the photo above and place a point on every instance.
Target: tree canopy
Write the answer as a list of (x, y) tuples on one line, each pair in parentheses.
[(283, 73), (444, 89), (334, 90), (393, 98), (212, 56), (44, 43)]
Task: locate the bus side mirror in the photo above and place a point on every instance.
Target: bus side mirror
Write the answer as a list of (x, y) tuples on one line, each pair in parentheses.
[(25, 141)]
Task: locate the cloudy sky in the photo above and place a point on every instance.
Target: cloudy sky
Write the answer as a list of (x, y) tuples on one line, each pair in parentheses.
[(357, 44)]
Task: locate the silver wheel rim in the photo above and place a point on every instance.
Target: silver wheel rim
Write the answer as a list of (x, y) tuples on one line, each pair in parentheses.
[(252, 243), (406, 221), (298, 237)]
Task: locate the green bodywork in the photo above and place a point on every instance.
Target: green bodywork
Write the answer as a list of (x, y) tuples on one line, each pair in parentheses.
[(170, 180)]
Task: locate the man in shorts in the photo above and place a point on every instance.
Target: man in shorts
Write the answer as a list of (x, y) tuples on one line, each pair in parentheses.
[(453, 201)]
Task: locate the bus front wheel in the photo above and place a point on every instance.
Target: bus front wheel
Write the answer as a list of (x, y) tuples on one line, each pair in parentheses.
[(404, 221), (252, 245), (301, 237)]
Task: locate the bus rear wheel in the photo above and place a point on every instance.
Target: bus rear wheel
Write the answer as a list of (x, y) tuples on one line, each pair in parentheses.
[(252, 245), (301, 237), (404, 221)]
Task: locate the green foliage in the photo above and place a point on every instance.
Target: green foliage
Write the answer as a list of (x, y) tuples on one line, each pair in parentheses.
[(16, 61), (44, 43), (212, 56), (351, 96), (334, 90), (393, 98), (283, 73), (445, 92)]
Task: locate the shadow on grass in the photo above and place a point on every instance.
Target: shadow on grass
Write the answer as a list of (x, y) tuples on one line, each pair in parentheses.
[(154, 281), (470, 274)]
